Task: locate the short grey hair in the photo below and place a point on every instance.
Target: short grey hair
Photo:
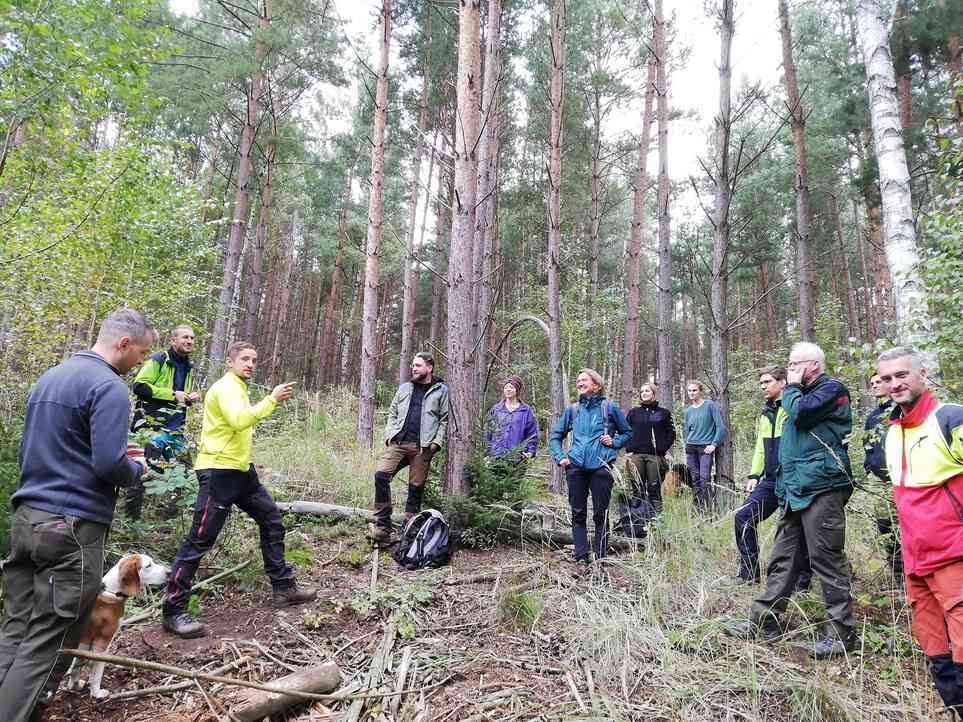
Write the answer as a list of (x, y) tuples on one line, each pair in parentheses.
[(181, 327), (125, 322), (810, 349), (902, 352), (595, 376)]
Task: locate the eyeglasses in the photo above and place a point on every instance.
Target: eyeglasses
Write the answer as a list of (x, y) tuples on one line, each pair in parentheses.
[(794, 364)]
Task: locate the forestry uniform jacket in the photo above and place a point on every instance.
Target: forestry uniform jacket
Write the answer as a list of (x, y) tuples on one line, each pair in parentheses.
[(876, 428), (924, 453), (765, 458), (154, 388), (228, 428), (587, 450), (434, 413), (813, 458)]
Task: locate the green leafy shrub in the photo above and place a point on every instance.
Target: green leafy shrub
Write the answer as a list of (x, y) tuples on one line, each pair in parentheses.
[(10, 432)]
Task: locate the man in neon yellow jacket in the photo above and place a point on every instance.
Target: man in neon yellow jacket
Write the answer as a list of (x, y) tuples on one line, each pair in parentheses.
[(226, 477)]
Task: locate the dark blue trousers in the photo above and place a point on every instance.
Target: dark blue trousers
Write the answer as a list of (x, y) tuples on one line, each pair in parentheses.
[(758, 506)]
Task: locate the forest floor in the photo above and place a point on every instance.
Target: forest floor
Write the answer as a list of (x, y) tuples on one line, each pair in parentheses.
[(512, 633)]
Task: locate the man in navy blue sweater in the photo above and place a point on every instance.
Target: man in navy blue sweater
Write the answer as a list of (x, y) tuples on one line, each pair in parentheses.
[(73, 458)]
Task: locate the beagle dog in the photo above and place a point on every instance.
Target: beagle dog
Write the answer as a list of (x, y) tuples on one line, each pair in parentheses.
[(124, 580)]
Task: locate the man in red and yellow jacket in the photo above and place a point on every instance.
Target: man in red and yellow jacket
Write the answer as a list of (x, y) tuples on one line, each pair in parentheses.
[(924, 455)]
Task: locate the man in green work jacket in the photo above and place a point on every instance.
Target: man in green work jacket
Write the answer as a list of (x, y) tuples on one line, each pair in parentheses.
[(813, 484)]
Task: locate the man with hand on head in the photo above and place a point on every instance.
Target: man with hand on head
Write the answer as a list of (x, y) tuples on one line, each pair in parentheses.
[(813, 485), (73, 458), (225, 478), (924, 455)]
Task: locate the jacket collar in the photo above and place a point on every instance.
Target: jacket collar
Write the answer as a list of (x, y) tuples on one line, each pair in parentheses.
[(590, 401), (925, 405), (175, 357), (96, 356), (237, 379)]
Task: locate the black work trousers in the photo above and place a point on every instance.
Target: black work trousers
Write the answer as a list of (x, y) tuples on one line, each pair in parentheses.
[(581, 483), (218, 491)]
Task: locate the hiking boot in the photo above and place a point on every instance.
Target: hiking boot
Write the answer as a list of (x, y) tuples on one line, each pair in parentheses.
[(803, 584), (379, 534), (833, 646), (753, 631), (737, 580), (583, 569), (292, 595), (183, 625)]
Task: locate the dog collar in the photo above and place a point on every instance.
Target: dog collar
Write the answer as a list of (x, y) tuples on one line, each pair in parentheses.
[(119, 595)]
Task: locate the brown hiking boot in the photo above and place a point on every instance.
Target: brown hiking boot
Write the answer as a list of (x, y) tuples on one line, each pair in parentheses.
[(379, 534), (292, 595)]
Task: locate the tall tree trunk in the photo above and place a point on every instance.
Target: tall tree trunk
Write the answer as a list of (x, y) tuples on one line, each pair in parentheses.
[(286, 265), (899, 231), (260, 240), (851, 315), (664, 303), (411, 267), (327, 371), (352, 331), (460, 271), (442, 223), (634, 250), (804, 271), (487, 188), (235, 241), (556, 96), (867, 294), (369, 324), (209, 184), (595, 220), (719, 295)]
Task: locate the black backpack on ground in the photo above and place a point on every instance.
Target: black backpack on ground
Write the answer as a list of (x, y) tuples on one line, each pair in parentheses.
[(424, 542), (635, 514)]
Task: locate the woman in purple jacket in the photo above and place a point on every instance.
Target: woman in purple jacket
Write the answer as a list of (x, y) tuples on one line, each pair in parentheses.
[(510, 429)]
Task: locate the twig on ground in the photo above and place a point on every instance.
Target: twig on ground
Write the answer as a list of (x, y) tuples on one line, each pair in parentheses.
[(571, 686), (167, 689), (400, 679)]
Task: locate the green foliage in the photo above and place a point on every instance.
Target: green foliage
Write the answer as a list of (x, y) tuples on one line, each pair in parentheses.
[(519, 609), (10, 431), (498, 486)]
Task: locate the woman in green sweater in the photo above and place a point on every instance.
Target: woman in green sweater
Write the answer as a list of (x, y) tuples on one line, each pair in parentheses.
[(704, 432)]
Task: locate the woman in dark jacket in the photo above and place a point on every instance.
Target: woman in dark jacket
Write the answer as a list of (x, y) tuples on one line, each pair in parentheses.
[(653, 434)]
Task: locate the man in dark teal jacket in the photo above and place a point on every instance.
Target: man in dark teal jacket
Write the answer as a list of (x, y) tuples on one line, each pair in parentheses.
[(813, 484)]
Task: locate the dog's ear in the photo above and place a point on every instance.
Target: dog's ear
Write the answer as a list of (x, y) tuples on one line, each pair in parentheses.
[(130, 575)]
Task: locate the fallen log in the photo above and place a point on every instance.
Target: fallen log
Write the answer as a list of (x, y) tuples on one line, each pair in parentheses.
[(561, 538), (320, 509), (260, 704)]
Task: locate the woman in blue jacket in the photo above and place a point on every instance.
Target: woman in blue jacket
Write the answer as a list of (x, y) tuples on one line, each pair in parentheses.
[(599, 430)]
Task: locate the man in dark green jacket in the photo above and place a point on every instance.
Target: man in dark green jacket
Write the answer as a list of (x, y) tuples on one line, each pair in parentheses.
[(813, 484)]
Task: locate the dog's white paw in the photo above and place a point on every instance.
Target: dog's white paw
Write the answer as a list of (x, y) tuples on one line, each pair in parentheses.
[(75, 684), (100, 694)]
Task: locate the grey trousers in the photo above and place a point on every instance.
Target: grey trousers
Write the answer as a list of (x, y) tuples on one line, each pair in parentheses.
[(820, 528), (50, 583)]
